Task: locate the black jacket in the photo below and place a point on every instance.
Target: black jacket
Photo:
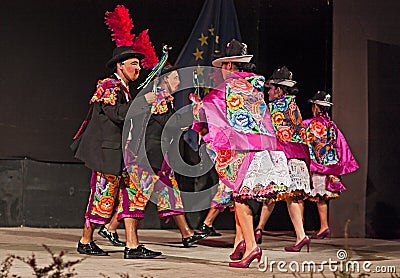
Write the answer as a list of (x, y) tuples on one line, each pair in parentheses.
[(100, 145)]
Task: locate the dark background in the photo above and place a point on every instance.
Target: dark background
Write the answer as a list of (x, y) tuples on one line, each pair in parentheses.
[(53, 53), (383, 218)]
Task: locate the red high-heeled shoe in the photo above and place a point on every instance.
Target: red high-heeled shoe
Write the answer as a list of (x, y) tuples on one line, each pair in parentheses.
[(298, 246), (324, 234), (237, 254), (258, 236), (245, 262)]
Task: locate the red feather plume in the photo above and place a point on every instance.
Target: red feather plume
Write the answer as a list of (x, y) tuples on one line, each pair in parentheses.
[(120, 24), (142, 44)]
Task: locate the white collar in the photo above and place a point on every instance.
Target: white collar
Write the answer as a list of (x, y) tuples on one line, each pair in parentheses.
[(122, 81)]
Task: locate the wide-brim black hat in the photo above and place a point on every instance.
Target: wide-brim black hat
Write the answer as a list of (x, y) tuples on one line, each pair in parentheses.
[(282, 76), (321, 98), (168, 68), (122, 53), (235, 51)]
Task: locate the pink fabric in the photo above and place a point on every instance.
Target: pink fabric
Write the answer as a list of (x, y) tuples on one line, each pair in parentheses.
[(222, 136), (294, 150), (347, 162)]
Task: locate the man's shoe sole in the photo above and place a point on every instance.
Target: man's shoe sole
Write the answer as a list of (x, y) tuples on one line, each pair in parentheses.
[(84, 253), (140, 257)]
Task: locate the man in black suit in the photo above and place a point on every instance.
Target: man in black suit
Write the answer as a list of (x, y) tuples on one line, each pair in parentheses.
[(99, 145)]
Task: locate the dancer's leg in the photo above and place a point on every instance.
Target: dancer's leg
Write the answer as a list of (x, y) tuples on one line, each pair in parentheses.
[(87, 235), (183, 226), (245, 220), (295, 212), (114, 223), (211, 215), (266, 212), (323, 215), (132, 240)]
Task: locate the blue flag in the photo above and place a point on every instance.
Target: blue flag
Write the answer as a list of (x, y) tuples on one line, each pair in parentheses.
[(216, 25)]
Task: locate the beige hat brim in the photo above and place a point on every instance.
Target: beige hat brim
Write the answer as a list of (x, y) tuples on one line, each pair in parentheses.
[(239, 59), (321, 102), (284, 82)]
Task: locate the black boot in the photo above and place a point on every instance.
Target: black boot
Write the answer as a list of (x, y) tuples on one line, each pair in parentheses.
[(112, 237)]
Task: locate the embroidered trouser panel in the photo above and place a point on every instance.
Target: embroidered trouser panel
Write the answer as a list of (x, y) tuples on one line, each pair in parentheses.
[(103, 197), (223, 197), (139, 187)]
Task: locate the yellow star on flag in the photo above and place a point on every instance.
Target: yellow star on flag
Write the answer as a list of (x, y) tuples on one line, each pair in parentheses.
[(211, 30), (203, 39), (199, 70), (198, 54)]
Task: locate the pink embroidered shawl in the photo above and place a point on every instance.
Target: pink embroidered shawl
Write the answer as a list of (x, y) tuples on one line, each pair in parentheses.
[(329, 151)]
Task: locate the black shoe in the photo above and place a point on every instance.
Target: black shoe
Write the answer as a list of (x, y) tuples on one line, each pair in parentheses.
[(210, 231), (112, 237), (90, 249), (189, 241), (140, 253)]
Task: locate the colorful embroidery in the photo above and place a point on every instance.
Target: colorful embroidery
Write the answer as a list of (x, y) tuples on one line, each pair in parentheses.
[(260, 192), (160, 106), (105, 194), (106, 91), (139, 186), (168, 195), (104, 206), (223, 197), (197, 105), (163, 202), (245, 104), (321, 143), (287, 121), (227, 163), (177, 193)]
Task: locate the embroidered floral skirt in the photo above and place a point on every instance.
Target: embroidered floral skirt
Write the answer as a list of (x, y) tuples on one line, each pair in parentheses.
[(320, 191)]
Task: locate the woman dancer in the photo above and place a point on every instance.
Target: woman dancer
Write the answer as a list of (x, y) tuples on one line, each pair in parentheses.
[(291, 134), (330, 158), (238, 131)]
